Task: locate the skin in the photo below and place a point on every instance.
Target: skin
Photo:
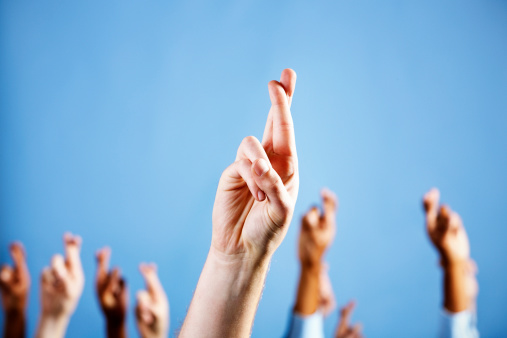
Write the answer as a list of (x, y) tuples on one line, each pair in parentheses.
[(344, 328), (317, 233), (253, 208), (112, 294), (152, 309), (61, 288), (449, 237), (327, 301), (14, 287), (472, 286)]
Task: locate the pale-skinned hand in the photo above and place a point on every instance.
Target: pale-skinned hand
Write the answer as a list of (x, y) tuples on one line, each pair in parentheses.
[(318, 231), (445, 230), (344, 328), (152, 309), (256, 194), (327, 298), (15, 281), (111, 289), (63, 282)]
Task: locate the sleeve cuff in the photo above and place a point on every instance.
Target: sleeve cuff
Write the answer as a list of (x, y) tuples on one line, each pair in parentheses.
[(459, 325), (303, 326)]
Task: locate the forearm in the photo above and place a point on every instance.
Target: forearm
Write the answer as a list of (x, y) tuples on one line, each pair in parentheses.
[(15, 324), (455, 295), (52, 326), (116, 329), (308, 295), (226, 297)]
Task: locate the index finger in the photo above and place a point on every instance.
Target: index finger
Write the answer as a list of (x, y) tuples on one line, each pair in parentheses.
[(283, 139), (103, 256), (430, 204), (19, 258), (330, 204), (72, 245), (345, 314), (153, 284), (288, 82)]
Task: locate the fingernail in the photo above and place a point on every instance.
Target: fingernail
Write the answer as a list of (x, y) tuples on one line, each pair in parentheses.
[(261, 167), (261, 195)]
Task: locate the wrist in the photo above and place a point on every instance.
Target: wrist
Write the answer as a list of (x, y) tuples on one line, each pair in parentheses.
[(115, 323), (51, 325), (456, 298), (311, 265), (14, 312), (116, 328), (453, 264), (241, 264)]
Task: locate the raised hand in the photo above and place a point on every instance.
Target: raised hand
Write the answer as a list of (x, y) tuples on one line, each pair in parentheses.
[(253, 208), (112, 294), (317, 231), (344, 328), (445, 230), (316, 234), (152, 309), (14, 287), (257, 193), (61, 288), (449, 237)]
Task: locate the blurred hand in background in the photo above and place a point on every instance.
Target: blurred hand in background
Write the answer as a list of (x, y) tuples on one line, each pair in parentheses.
[(112, 294), (61, 287), (344, 328), (152, 309), (14, 288), (446, 231), (316, 235)]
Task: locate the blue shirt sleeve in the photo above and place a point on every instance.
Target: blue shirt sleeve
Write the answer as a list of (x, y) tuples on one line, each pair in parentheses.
[(459, 325), (311, 326)]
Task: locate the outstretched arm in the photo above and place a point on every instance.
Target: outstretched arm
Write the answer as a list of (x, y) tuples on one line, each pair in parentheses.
[(14, 287), (253, 208)]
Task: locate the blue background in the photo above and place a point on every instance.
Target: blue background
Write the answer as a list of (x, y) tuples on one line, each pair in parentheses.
[(117, 119)]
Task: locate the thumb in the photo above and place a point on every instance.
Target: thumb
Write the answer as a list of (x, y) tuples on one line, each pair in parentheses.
[(271, 184)]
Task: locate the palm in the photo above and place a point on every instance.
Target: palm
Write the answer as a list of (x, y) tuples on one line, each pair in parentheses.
[(240, 218)]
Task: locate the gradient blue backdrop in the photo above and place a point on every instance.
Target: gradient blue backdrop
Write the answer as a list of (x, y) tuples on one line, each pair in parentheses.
[(117, 119)]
